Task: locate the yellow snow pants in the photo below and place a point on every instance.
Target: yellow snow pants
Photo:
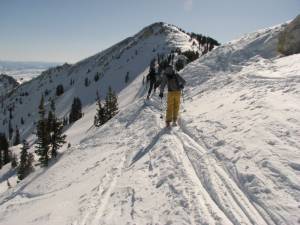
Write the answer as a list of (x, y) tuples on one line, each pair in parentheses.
[(173, 103)]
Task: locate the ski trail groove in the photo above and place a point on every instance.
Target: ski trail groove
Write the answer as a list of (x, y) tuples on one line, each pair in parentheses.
[(101, 198), (218, 183), (201, 196), (235, 204)]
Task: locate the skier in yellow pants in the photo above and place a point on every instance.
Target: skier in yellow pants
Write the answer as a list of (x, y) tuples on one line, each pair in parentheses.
[(175, 84)]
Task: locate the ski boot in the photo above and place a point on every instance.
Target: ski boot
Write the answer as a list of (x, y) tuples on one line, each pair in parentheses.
[(168, 124)]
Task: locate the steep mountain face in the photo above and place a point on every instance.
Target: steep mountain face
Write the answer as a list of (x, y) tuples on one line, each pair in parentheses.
[(83, 79), (7, 84), (234, 159)]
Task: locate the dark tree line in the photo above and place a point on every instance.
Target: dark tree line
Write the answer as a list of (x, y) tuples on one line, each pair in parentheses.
[(207, 42)]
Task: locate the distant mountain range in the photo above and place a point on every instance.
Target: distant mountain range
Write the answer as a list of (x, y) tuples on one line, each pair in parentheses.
[(24, 71), (18, 65)]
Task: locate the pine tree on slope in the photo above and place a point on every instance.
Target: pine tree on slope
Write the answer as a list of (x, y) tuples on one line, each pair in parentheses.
[(26, 160), (75, 113), (111, 104), (57, 138), (17, 137), (10, 130), (100, 117), (4, 151), (42, 145)]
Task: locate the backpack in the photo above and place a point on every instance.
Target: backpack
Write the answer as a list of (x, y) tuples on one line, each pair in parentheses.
[(178, 79)]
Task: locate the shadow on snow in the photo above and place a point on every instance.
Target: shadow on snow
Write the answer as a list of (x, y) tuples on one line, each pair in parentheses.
[(145, 150)]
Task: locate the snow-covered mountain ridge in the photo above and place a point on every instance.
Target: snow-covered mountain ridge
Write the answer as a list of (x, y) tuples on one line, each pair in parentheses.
[(131, 56), (234, 159)]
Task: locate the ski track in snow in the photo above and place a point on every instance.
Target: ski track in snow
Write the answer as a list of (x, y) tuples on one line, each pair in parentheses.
[(103, 192), (215, 181)]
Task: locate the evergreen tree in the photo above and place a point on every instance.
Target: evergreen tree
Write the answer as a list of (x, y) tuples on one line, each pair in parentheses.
[(127, 77), (42, 146), (4, 151), (26, 160), (59, 90), (75, 113), (111, 104), (100, 117), (51, 116), (57, 138), (86, 82), (10, 113), (17, 137), (114, 104), (96, 77), (10, 130)]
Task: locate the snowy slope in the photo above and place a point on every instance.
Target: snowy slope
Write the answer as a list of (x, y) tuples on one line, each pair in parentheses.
[(234, 159), (131, 56)]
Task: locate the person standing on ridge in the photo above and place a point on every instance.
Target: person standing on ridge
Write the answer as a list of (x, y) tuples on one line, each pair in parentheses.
[(151, 77), (175, 84)]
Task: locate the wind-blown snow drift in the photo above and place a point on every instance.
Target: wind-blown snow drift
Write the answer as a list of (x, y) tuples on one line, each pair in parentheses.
[(234, 159)]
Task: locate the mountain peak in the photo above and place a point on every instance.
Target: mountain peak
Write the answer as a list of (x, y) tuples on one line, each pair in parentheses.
[(160, 28)]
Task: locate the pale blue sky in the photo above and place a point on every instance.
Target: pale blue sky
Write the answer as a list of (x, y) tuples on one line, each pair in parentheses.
[(70, 30)]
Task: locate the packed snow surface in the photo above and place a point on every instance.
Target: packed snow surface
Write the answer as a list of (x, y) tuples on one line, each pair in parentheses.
[(234, 158)]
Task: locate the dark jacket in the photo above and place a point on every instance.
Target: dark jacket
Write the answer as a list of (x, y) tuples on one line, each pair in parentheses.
[(151, 76), (175, 82)]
